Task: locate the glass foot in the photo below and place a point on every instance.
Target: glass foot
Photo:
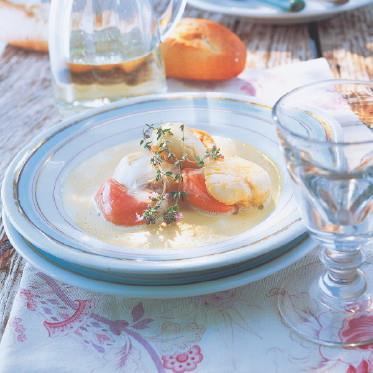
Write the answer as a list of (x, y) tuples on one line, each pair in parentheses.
[(317, 318)]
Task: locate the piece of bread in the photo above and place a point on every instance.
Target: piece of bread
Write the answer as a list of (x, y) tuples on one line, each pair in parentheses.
[(24, 25), (201, 49)]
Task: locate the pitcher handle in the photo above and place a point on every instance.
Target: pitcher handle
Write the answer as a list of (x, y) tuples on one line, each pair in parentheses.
[(170, 17)]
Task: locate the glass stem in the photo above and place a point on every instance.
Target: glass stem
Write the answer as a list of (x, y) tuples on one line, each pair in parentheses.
[(342, 282)]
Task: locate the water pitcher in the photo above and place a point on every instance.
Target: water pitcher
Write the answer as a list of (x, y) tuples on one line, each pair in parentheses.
[(105, 50)]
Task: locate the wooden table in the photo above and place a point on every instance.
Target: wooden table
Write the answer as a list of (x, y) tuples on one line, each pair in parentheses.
[(27, 105)]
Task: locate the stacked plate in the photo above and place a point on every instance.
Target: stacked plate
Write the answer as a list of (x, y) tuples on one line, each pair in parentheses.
[(41, 228)]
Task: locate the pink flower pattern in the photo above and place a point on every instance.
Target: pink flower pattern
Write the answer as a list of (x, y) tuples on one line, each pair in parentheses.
[(223, 299), (19, 329), (30, 302), (248, 88), (363, 367), (65, 316), (183, 362), (361, 325)]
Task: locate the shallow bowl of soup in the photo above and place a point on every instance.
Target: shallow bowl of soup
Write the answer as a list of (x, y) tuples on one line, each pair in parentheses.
[(166, 184)]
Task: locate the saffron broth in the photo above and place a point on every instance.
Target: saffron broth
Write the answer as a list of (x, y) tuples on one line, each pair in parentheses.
[(196, 228)]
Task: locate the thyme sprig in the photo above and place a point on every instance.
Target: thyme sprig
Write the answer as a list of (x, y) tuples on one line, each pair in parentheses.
[(213, 153), (156, 213)]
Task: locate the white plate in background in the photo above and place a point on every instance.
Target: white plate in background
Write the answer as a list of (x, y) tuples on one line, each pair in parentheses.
[(259, 11)]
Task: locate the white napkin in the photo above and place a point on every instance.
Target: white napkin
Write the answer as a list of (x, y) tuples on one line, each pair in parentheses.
[(268, 85), (54, 327)]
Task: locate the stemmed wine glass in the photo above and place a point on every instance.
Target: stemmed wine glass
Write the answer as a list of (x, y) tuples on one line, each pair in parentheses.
[(326, 133)]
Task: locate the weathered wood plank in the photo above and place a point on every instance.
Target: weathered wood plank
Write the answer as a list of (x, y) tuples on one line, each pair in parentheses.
[(347, 43), (26, 100), (277, 45)]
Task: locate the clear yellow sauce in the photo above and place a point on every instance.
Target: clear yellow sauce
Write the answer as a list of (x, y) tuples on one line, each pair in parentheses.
[(195, 229)]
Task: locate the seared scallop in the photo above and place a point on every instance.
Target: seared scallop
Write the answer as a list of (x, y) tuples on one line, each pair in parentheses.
[(183, 142), (237, 181)]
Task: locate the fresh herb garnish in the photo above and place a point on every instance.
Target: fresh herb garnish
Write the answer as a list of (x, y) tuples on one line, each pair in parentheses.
[(213, 153), (156, 212), (171, 214)]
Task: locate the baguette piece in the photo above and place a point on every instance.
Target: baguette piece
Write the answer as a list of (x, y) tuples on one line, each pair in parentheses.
[(24, 25), (201, 49)]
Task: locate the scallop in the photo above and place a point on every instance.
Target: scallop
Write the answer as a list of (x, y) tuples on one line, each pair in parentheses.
[(237, 181), (188, 142), (134, 171)]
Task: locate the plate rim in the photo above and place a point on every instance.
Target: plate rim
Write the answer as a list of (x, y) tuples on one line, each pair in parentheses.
[(33, 257), (40, 239), (281, 17)]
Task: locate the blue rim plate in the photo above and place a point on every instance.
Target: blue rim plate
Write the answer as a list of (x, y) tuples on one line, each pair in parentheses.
[(33, 182), (174, 278), (33, 256), (266, 11)]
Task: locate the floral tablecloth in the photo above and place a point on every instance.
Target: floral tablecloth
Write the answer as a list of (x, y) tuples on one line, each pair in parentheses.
[(54, 327), (58, 328)]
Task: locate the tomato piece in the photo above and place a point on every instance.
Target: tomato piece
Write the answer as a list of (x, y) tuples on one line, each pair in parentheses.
[(118, 206), (197, 195)]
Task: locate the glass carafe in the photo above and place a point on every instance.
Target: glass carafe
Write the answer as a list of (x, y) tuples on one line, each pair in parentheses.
[(105, 50)]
